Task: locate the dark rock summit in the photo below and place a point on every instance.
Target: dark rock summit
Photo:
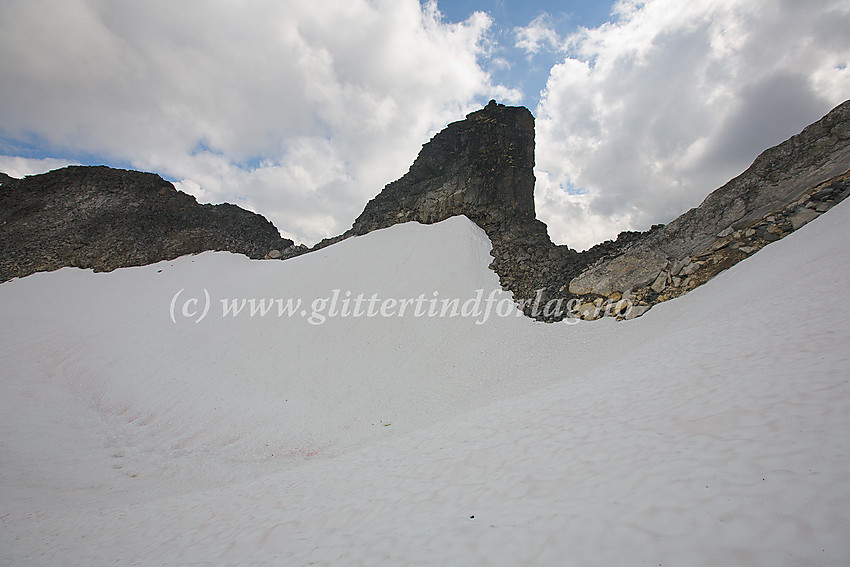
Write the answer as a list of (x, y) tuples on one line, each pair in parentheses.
[(103, 218), (481, 167)]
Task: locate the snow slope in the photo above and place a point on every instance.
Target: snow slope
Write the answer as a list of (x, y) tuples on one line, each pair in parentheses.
[(713, 430)]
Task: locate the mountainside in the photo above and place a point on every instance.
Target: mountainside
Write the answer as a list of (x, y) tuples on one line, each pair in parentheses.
[(383, 401), (103, 218), (481, 167)]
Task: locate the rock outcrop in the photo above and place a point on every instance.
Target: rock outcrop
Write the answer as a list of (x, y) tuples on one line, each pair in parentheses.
[(481, 167), (103, 218)]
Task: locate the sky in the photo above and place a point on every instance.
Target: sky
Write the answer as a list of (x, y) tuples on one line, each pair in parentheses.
[(302, 110)]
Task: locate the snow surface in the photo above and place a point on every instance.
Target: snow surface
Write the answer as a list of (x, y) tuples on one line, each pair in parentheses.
[(711, 431)]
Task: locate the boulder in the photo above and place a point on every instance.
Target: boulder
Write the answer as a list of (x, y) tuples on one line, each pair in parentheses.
[(627, 271), (802, 217)]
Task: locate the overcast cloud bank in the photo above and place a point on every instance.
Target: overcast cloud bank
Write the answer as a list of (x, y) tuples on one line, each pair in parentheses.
[(647, 115), (303, 114)]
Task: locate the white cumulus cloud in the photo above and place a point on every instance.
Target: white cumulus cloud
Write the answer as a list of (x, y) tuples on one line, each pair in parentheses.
[(649, 113), (303, 111), (538, 34), (297, 109)]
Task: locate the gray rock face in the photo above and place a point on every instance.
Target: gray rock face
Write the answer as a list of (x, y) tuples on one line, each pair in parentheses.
[(103, 218), (778, 176)]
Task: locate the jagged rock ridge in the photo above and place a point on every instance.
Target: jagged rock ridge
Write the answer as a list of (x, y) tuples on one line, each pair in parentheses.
[(481, 167), (104, 218)]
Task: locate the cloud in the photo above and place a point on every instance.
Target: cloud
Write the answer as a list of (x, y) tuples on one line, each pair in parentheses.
[(303, 112), (297, 110), (649, 113), (538, 34), (18, 167)]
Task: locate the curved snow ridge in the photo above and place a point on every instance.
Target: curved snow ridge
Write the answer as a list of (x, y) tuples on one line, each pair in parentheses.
[(258, 387), (711, 430)]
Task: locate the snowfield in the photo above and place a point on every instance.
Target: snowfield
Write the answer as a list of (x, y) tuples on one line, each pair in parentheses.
[(141, 423)]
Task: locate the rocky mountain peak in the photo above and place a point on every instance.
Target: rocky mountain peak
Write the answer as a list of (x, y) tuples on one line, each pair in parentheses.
[(481, 167)]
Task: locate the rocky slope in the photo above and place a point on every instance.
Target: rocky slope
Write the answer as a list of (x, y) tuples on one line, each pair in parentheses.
[(786, 187), (103, 218)]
